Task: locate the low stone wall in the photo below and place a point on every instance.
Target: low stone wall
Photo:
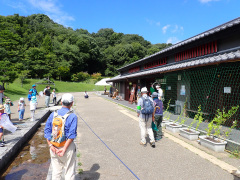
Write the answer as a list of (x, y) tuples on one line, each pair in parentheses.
[(15, 141)]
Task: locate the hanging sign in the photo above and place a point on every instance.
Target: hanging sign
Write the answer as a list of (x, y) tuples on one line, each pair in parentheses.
[(227, 90), (182, 90)]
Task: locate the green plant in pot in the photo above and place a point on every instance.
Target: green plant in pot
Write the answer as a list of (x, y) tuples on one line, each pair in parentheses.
[(197, 118), (166, 113), (220, 118)]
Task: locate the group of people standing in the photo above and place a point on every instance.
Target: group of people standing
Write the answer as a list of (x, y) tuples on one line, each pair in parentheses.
[(150, 113), (47, 94)]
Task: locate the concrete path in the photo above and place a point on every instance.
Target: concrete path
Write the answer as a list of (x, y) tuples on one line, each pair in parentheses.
[(117, 134)]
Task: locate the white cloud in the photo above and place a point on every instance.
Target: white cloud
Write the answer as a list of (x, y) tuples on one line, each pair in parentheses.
[(177, 29), (173, 40), (157, 23), (164, 29), (206, 1), (152, 22), (17, 5), (52, 9)]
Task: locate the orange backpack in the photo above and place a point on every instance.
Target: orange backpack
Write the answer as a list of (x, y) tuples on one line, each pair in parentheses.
[(58, 135)]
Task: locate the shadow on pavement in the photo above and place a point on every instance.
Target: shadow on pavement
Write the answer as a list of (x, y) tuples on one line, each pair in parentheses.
[(92, 174)]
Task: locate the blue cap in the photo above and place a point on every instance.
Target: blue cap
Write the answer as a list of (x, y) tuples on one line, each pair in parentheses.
[(34, 85), (154, 94)]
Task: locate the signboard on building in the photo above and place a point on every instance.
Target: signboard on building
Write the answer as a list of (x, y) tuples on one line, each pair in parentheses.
[(161, 81), (227, 90)]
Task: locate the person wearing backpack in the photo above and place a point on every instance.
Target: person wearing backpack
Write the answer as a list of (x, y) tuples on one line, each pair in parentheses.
[(34, 90), (60, 131), (158, 115), (145, 114)]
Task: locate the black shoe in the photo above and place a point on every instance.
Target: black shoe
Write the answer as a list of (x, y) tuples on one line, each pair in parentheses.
[(153, 144)]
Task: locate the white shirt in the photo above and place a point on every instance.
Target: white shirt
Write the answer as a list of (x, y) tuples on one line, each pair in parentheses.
[(21, 105), (53, 94), (160, 92)]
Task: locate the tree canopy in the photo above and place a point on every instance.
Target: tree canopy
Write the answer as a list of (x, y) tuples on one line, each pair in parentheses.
[(37, 45)]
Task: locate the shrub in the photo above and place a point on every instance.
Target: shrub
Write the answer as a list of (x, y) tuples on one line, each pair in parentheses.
[(97, 76), (81, 76)]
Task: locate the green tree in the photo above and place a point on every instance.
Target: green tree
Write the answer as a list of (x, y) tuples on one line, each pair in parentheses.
[(23, 75)]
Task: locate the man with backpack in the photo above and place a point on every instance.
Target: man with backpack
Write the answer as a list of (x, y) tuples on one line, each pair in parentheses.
[(158, 115), (145, 114), (33, 90), (60, 131)]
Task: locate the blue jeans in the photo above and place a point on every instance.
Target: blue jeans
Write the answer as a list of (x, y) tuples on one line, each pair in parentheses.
[(21, 113), (47, 100)]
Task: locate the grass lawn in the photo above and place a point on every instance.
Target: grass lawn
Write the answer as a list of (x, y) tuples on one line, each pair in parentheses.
[(15, 91)]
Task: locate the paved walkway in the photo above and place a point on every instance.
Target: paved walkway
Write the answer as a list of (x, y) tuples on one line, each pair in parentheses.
[(117, 134), (108, 145)]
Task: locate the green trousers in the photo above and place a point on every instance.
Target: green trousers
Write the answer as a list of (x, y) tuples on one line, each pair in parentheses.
[(158, 134)]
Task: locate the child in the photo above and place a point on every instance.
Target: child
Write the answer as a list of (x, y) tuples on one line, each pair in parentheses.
[(1, 127), (21, 108), (54, 96), (7, 105), (33, 106), (29, 95)]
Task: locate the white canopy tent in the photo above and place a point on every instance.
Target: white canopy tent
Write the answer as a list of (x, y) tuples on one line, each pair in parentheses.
[(103, 82)]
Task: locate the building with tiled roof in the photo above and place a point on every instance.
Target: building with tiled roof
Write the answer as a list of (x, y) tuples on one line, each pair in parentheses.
[(202, 70)]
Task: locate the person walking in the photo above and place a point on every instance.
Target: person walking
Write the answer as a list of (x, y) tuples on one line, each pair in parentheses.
[(54, 96), (33, 107), (7, 106), (21, 108), (63, 153), (2, 89), (160, 92), (47, 96), (34, 90), (145, 114), (158, 115)]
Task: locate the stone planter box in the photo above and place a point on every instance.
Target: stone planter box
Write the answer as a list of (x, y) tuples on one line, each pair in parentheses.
[(217, 145), (164, 123), (173, 127), (189, 134)]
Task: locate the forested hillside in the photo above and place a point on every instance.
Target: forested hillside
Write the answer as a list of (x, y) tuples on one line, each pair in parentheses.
[(38, 47)]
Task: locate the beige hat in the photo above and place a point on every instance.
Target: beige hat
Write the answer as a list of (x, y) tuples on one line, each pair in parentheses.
[(1, 107), (68, 98), (7, 100)]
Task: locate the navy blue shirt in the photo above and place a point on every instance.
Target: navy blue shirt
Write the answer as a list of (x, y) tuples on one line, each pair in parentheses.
[(70, 124)]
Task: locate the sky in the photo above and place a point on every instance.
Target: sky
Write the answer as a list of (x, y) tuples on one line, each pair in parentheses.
[(157, 21)]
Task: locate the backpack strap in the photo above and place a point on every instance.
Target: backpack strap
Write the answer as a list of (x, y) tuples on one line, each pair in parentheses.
[(55, 114), (64, 120)]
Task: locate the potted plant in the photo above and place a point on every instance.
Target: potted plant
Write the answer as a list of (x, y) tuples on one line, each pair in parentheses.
[(175, 127), (166, 115), (212, 139), (189, 133)]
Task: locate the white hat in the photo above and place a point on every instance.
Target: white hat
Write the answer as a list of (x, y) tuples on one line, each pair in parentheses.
[(21, 99), (144, 89), (68, 98)]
